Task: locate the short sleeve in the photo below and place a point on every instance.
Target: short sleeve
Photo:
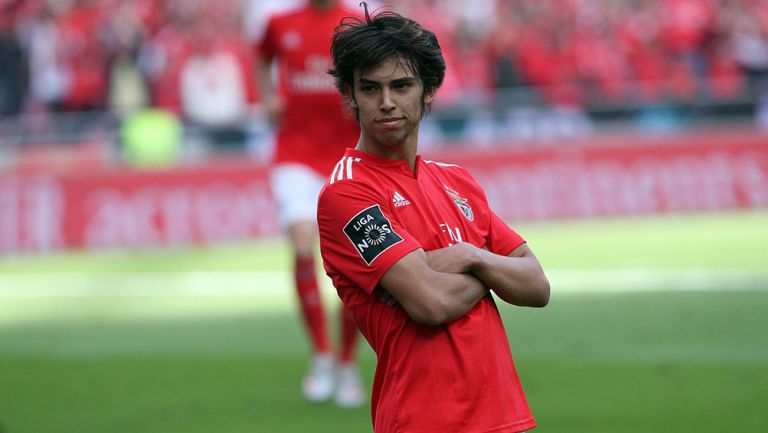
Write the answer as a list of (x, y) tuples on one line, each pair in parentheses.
[(359, 237), (266, 46), (501, 238)]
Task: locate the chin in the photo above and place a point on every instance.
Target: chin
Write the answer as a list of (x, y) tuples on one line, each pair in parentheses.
[(393, 139), (387, 141)]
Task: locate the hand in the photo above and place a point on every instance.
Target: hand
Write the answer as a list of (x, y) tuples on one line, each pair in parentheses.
[(387, 298), (274, 107), (456, 259)]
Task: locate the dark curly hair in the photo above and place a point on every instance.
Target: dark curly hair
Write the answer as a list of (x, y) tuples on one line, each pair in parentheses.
[(359, 44)]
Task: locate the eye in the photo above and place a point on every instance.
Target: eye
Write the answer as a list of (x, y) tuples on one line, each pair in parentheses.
[(367, 88)]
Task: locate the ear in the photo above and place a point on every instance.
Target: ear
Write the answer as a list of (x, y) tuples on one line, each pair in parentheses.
[(429, 96), (350, 97)]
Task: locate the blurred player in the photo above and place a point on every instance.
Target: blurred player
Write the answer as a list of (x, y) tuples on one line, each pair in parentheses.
[(312, 133), (414, 250)]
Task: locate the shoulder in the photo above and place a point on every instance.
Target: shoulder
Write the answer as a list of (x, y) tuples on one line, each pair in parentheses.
[(286, 16), (453, 171), (456, 180), (442, 165), (347, 11), (348, 169), (350, 200), (350, 177)]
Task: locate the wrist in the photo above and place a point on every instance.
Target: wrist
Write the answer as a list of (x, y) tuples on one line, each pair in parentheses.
[(477, 260)]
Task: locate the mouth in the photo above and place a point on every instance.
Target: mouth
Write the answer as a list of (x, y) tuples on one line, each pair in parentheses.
[(389, 122)]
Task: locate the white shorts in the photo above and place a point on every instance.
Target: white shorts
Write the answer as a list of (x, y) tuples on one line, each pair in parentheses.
[(296, 188)]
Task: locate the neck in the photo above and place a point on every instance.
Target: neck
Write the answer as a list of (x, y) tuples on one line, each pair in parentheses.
[(405, 151), (323, 4)]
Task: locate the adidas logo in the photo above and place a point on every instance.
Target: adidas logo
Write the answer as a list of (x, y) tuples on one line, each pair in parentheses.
[(399, 200)]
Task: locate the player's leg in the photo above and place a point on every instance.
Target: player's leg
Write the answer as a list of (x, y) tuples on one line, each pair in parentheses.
[(296, 188), (350, 391), (319, 383), (302, 237), (349, 337)]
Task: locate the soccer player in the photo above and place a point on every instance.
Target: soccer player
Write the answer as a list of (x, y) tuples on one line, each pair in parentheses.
[(312, 133), (414, 250)]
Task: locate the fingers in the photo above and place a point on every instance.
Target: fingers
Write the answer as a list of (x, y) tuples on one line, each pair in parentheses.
[(387, 298)]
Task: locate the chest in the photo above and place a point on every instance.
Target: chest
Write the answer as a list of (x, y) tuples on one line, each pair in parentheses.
[(304, 45), (439, 212)]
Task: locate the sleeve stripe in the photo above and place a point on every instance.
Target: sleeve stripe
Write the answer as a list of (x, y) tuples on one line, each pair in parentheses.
[(336, 169), (349, 168), (343, 169), (333, 173), (340, 174)]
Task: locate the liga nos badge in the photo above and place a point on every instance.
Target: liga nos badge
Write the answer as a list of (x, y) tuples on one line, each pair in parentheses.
[(371, 233)]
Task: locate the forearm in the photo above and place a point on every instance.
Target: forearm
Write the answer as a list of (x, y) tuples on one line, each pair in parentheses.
[(455, 294), (429, 296), (518, 280), (267, 90)]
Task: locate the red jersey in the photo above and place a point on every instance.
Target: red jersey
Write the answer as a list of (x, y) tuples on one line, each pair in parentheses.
[(458, 377), (313, 130)]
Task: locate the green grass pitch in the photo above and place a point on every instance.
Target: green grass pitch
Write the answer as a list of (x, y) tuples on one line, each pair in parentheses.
[(656, 324)]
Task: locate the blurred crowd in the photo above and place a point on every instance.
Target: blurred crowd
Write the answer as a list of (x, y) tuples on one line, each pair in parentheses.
[(77, 55), (194, 57), (608, 49)]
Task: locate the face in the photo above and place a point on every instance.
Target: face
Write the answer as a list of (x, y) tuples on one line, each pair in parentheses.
[(389, 98)]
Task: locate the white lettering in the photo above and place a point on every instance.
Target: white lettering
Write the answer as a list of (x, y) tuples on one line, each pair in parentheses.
[(9, 215), (31, 214), (315, 78), (752, 180), (179, 215), (644, 184), (454, 234), (362, 222)]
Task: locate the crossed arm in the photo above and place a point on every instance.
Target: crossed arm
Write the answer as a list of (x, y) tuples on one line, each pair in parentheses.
[(439, 286)]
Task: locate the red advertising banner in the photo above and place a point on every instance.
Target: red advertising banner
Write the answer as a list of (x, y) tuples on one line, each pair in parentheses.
[(111, 209), (619, 178), (199, 205)]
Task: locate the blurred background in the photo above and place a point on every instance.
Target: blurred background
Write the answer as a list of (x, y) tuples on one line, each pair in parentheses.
[(520, 73), (144, 286)]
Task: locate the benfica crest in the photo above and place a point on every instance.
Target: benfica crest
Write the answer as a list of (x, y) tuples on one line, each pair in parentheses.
[(461, 203)]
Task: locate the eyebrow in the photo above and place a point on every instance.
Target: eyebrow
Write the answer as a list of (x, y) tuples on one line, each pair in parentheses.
[(396, 81)]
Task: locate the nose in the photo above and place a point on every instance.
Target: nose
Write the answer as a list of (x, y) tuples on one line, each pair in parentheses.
[(386, 104)]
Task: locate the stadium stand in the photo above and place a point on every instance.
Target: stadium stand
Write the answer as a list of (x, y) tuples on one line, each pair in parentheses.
[(129, 123), (520, 72)]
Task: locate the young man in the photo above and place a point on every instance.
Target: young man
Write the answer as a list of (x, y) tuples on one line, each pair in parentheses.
[(312, 133), (414, 250)]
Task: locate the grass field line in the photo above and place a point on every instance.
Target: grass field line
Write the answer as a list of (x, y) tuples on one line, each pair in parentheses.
[(217, 283)]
